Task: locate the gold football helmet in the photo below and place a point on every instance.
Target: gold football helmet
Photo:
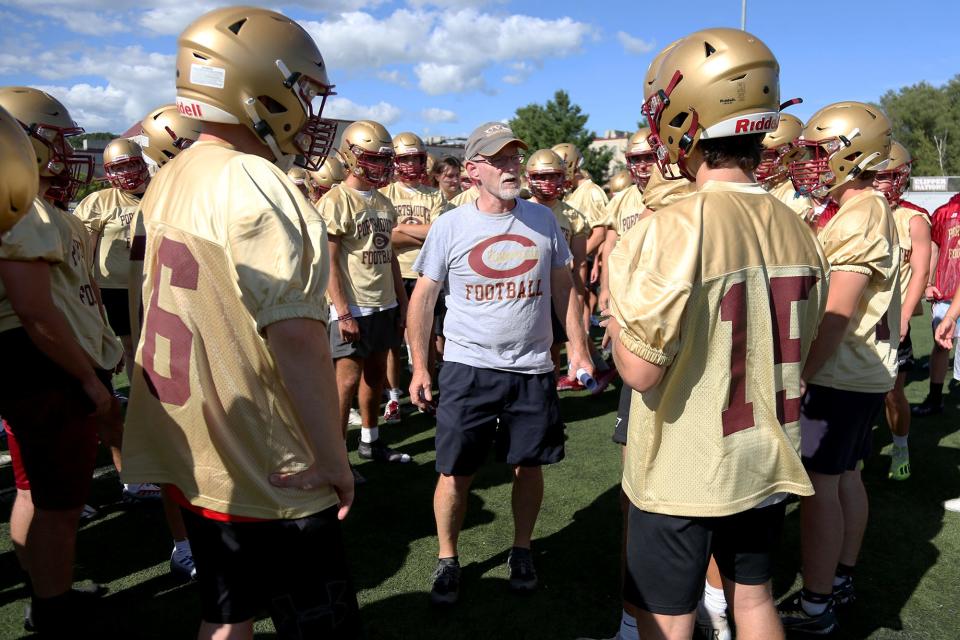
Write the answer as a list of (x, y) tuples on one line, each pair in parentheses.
[(714, 83), (48, 124), (124, 166), (840, 142), (546, 173), (640, 157), (892, 181), (620, 181), (571, 157), (168, 133), (654, 69), (19, 180), (259, 68), (409, 157), (367, 152), (329, 175), (778, 148)]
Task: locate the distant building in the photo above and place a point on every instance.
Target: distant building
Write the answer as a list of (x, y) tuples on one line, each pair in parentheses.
[(616, 141)]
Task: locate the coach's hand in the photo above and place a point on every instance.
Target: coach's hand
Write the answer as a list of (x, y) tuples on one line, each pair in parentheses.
[(314, 478), (421, 391), (349, 329)]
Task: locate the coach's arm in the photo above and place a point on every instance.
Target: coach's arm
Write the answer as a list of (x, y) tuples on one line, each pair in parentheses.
[(566, 302), (419, 325)]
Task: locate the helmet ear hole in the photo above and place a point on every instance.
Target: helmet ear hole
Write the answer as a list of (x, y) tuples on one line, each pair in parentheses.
[(272, 105), (679, 119)]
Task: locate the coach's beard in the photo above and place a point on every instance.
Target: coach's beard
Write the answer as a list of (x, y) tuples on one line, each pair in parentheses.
[(509, 187)]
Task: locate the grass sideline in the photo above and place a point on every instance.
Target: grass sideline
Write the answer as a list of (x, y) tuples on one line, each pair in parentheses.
[(908, 580)]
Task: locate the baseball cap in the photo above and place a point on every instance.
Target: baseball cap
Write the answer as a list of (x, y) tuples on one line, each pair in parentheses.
[(489, 138)]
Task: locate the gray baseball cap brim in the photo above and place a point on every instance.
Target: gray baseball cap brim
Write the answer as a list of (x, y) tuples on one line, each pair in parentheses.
[(489, 138)]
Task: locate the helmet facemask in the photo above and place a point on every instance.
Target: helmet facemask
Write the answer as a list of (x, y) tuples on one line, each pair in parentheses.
[(640, 165), (410, 167), (373, 167), (546, 185), (811, 172), (67, 170), (127, 174), (893, 183), (653, 109)]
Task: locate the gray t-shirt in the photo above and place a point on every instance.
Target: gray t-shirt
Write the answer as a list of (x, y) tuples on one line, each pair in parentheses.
[(496, 275)]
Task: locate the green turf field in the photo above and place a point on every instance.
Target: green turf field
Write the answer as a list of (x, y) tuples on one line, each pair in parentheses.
[(908, 580)]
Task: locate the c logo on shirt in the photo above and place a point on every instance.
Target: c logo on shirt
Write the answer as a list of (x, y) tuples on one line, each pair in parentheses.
[(381, 240), (516, 250)]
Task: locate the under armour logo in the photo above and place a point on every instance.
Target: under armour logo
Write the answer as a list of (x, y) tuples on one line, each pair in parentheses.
[(303, 622)]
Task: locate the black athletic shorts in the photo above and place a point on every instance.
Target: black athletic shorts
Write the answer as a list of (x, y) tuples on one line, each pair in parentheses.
[(905, 354), (517, 413), (667, 556), (623, 415), (116, 304), (54, 439), (409, 284), (559, 331), (379, 332), (296, 570), (836, 428)]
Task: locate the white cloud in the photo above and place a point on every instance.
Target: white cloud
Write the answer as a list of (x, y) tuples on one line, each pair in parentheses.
[(632, 44), (357, 40), (393, 77), (435, 114), (344, 109), (521, 71), (448, 78)]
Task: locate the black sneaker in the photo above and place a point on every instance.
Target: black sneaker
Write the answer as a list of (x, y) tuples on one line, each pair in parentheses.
[(843, 593), (523, 577), (446, 582), (380, 452), (795, 618), (927, 408), (80, 598)]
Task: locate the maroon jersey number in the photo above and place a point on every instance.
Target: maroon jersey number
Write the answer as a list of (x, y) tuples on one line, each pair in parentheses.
[(784, 291), (184, 273)]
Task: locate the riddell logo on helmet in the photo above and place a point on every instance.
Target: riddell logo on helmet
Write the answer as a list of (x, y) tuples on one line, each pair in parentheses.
[(192, 109), (746, 125)]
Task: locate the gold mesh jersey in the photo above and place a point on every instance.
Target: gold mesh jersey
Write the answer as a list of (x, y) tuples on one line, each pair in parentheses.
[(902, 216), (414, 205), (49, 234), (465, 197), (366, 250), (590, 200), (661, 192), (862, 237), (785, 193), (572, 223), (231, 247), (725, 289), (107, 214), (625, 209)]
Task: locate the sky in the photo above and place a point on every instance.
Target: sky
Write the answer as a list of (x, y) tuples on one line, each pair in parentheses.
[(441, 67)]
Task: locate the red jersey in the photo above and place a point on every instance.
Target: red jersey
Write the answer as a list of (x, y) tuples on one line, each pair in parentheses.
[(946, 233)]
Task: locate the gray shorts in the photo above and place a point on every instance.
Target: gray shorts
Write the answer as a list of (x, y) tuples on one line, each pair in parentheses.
[(379, 331)]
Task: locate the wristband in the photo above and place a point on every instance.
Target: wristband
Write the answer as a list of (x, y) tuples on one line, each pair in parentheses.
[(346, 316)]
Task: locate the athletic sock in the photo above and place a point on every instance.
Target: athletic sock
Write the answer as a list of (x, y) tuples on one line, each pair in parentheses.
[(183, 546), (936, 393), (814, 603), (454, 560), (900, 441), (369, 434), (628, 627), (714, 600), (394, 395), (845, 571)]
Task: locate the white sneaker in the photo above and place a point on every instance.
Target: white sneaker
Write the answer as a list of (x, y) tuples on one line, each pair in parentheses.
[(952, 505), (354, 420), (711, 625)]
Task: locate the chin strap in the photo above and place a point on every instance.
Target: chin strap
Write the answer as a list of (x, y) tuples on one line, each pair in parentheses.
[(265, 133)]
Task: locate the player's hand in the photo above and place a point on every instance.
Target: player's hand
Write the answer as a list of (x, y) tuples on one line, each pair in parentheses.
[(932, 293), (944, 332), (110, 425), (402, 318), (421, 392), (349, 330), (313, 478), (99, 395), (803, 387), (603, 300), (904, 328), (595, 272)]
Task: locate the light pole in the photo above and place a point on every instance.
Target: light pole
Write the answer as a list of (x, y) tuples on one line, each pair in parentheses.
[(743, 15)]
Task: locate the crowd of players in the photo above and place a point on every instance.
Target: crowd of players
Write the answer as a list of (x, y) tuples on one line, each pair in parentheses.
[(755, 275)]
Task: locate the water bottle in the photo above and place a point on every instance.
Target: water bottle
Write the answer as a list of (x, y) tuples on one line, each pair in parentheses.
[(586, 379)]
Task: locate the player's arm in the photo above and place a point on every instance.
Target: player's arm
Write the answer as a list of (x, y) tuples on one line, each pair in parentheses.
[(28, 288), (566, 303), (419, 326), (578, 248), (596, 238), (349, 328), (302, 352), (920, 266), (609, 242), (409, 236), (398, 289), (846, 288), (932, 292), (637, 373), (947, 327)]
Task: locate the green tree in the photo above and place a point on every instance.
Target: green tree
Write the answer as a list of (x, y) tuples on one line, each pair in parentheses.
[(559, 120), (77, 141), (926, 120)]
